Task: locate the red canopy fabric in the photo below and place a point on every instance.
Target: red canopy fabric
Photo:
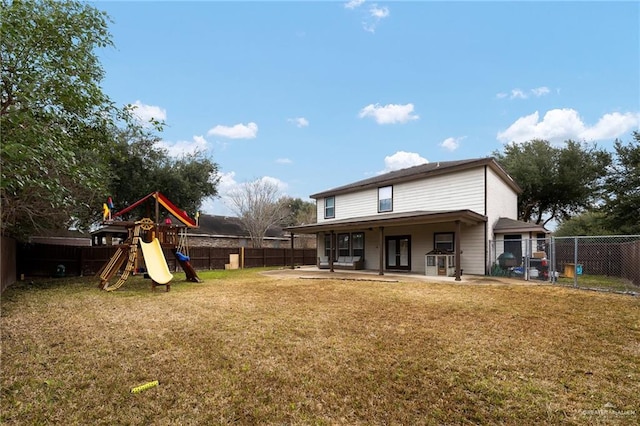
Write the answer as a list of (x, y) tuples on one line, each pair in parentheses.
[(181, 215)]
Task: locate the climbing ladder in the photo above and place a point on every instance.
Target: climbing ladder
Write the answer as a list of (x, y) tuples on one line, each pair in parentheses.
[(117, 260)]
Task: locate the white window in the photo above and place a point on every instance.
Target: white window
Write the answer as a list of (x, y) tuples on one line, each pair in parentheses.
[(385, 199), (329, 207), (443, 241)]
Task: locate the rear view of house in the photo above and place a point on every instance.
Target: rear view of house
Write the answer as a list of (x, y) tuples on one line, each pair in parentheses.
[(435, 218)]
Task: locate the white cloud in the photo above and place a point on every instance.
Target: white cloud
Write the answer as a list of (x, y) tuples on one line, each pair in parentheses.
[(389, 114), (218, 206), (145, 113), (282, 186), (299, 121), (379, 12), (451, 144), (372, 16), (524, 94), (283, 161), (402, 160), (518, 94), (239, 131), (353, 4), (558, 125), (227, 185), (613, 125), (197, 144), (375, 15), (540, 91)]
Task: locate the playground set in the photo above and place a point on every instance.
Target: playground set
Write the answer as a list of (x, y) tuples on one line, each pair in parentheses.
[(151, 237)]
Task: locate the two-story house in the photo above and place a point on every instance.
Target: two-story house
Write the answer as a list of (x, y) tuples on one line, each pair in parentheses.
[(435, 217)]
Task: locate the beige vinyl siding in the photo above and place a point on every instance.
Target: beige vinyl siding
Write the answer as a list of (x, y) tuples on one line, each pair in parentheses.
[(460, 191), (473, 249), (502, 201), (471, 244)]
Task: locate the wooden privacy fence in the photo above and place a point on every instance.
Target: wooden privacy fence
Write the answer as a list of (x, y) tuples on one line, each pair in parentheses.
[(7, 262), (43, 259)]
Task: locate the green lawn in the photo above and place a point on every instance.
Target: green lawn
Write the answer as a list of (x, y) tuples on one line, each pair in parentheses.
[(245, 348)]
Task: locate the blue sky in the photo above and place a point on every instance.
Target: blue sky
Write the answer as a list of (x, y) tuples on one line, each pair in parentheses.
[(314, 95)]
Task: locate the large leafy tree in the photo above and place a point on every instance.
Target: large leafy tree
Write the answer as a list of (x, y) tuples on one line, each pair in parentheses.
[(587, 223), (557, 182), (54, 117), (622, 188), (300, 212), (139, 166)]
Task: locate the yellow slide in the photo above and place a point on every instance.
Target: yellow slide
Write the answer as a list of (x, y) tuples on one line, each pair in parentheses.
[(157, 267)]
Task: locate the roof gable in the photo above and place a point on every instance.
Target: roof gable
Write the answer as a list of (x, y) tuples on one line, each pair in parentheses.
[(421, 171)]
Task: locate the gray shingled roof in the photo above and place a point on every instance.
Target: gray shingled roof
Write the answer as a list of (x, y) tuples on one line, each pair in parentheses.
[(419, 172), (226, 225), (505, 224)]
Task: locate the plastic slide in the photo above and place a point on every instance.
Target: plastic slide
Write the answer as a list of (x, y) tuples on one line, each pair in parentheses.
[(157, 267)]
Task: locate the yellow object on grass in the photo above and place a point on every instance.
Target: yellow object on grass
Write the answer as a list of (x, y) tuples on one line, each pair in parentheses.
[(144, 387)]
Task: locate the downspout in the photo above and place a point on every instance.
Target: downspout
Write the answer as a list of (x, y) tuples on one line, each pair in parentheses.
[(457, 244), (486, 226)]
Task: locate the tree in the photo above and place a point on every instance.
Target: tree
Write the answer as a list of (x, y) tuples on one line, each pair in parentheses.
[(588, 223), (139, 167), (258, 206), (557, 182), (300, 212), (55, 119), (622, 185)]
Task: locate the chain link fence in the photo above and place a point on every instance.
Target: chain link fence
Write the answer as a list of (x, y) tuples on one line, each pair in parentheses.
[(526, 259), (601, 263), (608, 263)]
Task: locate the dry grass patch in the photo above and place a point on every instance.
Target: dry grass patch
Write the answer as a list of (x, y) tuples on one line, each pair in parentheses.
[(247, 348)]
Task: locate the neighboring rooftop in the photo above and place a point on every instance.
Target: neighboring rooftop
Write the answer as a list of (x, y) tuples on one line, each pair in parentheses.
[(227, 225)]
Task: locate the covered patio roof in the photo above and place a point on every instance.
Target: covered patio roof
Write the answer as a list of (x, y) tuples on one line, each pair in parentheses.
[(467, 217)]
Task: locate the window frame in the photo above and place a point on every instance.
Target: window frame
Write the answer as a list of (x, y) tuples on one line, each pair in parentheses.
[(344, 244), (331, 215), (353, 248), (390, 198), (452, 242), (327, 245)]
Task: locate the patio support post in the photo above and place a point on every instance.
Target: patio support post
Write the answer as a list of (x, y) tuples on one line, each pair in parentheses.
[(331, 248), (293, 252), (457, 244), (381, 251)]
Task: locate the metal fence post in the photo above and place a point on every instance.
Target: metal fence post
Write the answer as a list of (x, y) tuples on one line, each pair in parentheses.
[(575, 262), (552, 259)]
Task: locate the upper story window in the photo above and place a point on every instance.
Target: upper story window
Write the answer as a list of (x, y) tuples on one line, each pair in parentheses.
[(385, 199), (329, 207)]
